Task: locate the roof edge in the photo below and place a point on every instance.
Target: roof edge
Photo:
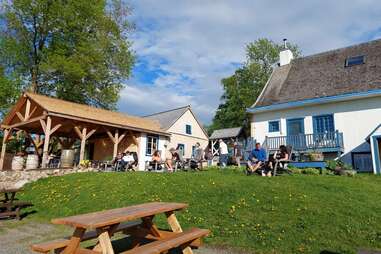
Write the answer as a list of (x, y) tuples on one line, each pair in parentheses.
[(314, 101), (166, 111)]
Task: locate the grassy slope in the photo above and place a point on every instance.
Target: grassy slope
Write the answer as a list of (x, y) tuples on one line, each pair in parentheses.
[(289, 214)]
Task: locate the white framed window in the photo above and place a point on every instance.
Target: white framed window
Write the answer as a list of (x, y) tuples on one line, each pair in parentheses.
[(152, 144)]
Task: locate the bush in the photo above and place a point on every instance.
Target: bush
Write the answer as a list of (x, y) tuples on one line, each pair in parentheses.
[(311, 171)]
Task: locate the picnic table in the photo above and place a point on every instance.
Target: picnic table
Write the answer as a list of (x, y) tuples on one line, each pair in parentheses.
[(9, 205), (135, 221)]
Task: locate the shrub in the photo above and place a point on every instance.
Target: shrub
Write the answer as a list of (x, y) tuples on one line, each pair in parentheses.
[(310, 171)]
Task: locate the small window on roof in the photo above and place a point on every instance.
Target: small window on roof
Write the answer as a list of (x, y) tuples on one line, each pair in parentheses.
[(355, 60)]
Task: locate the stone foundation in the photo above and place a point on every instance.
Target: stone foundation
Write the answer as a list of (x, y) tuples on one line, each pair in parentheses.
[(17, 179)]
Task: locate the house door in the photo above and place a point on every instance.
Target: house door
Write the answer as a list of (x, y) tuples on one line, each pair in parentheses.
[(295, 133)]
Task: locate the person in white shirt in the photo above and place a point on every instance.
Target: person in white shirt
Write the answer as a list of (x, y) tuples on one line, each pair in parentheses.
[(223, 149), (128, 160)]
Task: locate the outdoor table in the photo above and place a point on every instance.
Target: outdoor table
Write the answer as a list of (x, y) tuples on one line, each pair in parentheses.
[(10, 206), (106, 222), (9, 194)]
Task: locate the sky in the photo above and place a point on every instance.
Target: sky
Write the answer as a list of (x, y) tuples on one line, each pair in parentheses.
[(185, 47)]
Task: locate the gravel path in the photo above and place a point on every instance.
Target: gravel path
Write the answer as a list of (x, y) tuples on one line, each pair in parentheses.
[(17, 236)]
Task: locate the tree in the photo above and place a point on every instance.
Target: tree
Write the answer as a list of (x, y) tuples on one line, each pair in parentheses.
[(244, 86), (71, 49)]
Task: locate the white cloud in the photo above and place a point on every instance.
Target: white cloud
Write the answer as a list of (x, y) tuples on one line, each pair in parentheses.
[(196, 43)]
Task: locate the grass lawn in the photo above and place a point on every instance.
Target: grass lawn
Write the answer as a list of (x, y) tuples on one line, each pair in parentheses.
[(287, 214)]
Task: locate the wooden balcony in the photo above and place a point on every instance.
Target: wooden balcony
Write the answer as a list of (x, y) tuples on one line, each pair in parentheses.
[(302, 143)]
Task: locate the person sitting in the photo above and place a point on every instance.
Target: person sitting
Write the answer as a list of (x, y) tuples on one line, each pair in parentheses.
[(257, 159), (128, 160), (117, 162), (279, 156), (155, 163), (169, 159)]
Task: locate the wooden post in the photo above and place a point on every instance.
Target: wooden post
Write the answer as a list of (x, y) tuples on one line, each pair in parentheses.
[(83, 135), (116, 139), (3, 148), (83, 144), (46, 127), (116, 143)]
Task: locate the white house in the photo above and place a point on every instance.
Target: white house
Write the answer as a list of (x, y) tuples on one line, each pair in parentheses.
[(185, 130), (328, 102)]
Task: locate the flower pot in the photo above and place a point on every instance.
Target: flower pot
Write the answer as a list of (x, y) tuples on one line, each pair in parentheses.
[(32, 161)]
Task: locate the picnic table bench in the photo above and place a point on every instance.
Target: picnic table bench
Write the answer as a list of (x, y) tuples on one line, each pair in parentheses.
[(10, 206), (135, 221)]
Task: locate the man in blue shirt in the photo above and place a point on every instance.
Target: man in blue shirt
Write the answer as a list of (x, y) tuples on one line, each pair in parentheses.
[(257, 158)]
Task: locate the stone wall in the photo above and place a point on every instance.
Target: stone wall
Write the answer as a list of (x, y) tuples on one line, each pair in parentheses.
[(16, 179)]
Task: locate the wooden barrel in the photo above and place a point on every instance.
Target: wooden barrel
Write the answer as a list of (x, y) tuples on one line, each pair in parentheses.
[(67, 158), (17, 163), (31, 161)]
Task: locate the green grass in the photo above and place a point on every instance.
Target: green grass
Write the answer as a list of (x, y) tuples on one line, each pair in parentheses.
[(287, 214)]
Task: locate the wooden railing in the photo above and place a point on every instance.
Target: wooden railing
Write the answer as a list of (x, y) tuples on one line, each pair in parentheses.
[(331, 141)]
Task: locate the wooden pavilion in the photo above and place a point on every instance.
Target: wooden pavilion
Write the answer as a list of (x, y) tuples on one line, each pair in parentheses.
[(68, 121)]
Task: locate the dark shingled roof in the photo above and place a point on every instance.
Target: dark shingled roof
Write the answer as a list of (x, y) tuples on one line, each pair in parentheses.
[(324, 74), (167, 118), (226, 133)]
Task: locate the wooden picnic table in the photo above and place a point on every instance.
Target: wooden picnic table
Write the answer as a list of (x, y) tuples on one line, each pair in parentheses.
[(9, 205), (106, 223)]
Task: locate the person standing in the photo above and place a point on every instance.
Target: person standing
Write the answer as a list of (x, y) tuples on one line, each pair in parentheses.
[(237, 153), (223, 149)]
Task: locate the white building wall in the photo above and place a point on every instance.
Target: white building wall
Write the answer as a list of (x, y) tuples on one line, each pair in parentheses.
[(179, 135), (143, 157), (355, 119)]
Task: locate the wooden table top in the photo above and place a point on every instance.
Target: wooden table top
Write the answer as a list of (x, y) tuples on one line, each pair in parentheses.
[(110, 217)]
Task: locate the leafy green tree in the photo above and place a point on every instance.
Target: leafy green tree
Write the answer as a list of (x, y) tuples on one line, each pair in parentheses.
[(72, 49), (244, 86)]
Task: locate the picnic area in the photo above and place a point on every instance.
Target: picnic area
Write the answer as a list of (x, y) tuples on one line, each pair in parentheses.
[(288, 214)]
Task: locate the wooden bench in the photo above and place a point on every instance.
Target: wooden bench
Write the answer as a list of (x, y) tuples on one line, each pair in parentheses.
[(182, 240), (12, 208), (58, 244)]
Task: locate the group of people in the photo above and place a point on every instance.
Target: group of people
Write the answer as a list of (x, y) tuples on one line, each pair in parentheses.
[(173, 158), (257, 161), (125, 161)]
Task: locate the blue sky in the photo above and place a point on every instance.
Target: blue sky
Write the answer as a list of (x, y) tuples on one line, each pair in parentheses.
[(185, 47)]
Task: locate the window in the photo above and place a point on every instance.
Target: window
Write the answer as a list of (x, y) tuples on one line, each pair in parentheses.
[(274, 126), (193, 150), (323, 124), (188, 129), (152, 144), (356, 60), (181, 148)]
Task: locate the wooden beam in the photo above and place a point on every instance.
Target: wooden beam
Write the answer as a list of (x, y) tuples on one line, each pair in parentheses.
[(43, 125), (55, 128), (27, 109), (90, 133), (35, 144), (4, 147), (109, 124), (22, 119), (122, 136), (78, 131), (32, 112), (133, 137), (32, 120), (116, 143), (83, 144), (46, 142), (110, 136)]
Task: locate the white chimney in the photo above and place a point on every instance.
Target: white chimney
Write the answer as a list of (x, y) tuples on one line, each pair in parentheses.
[(285, 56)]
